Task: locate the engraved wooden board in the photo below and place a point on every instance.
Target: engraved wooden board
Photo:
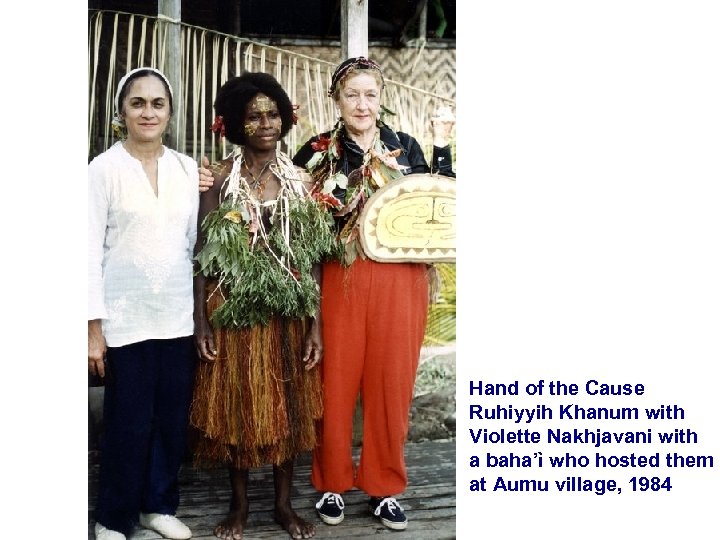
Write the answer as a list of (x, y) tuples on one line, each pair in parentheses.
[(411, 219)]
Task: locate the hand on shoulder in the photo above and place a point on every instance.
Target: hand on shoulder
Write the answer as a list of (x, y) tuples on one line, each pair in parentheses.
[(206, 177), (209, 173)]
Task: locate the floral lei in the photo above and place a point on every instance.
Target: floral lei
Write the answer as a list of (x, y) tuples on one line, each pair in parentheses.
[(265, 272), (378, 168)]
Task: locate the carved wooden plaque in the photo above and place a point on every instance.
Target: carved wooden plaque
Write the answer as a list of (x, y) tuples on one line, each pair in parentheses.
[(411, 220)]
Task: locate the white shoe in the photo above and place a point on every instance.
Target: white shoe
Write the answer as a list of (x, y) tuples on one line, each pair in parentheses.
[(166, 525), (103, 533)]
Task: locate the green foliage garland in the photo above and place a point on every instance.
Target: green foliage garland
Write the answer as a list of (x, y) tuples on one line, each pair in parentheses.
[(379, 167), (273, 276)]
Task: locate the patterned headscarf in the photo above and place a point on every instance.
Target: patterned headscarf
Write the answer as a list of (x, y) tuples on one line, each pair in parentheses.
[(359, 62)]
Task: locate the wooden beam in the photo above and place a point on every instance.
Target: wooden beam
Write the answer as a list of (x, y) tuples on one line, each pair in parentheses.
[(422, 23), (169, 11), (354, 28)]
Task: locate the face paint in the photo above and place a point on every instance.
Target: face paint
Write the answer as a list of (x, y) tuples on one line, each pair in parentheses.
[(262, 104), (262, 123), (250, 129)]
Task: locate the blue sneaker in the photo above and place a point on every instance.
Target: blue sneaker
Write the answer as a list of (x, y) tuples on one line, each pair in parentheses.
[(330, 508), (389, 511)]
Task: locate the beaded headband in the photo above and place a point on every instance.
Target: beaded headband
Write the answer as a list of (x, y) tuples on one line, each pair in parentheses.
[(359, 62)]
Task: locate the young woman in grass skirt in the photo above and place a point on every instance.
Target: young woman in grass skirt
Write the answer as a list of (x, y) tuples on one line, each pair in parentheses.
[(257, 327)]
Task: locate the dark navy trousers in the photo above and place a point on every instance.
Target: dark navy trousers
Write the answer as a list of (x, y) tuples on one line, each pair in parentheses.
[(148, 389)]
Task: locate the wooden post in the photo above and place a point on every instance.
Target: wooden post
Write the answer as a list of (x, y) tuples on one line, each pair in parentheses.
[(354, 41), (169, 11), (422, 23), (354, 28)]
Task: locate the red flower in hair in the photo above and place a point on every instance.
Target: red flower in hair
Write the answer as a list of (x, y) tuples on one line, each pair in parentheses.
[(218, 126)]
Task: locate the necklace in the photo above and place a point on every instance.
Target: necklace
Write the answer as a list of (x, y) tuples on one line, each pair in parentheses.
[(258, 183)]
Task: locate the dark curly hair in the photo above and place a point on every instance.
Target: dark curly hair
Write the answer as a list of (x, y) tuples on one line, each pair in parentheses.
[(236, 93)]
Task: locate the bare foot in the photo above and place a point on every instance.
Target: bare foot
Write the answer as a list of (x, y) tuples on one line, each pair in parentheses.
[(231, 528), (296, 526)]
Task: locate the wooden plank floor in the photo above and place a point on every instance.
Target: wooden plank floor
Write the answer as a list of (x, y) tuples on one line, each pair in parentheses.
[(429, 500)]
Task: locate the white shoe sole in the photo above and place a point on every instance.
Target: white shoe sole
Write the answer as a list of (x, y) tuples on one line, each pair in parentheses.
[(331, 520), (393, 525)]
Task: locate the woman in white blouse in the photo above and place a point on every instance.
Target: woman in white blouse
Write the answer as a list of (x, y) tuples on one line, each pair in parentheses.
[(143, 204)]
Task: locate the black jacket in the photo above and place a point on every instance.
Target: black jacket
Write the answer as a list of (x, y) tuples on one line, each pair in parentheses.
[(412, 155)]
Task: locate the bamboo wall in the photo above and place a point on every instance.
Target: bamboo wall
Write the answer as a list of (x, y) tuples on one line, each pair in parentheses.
[(418, 80)]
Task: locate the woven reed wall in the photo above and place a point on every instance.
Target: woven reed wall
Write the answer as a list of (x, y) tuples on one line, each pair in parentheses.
[(418, 80)]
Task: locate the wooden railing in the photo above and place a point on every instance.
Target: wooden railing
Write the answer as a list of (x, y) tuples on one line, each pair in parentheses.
[(118, 42)]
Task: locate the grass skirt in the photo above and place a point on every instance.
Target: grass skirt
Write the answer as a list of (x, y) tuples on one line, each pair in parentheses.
[(256, 403)]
